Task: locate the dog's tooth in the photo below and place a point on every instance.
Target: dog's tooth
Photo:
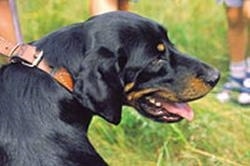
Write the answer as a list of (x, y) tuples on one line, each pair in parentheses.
[(158, 104), (170, 118), (152, 100)]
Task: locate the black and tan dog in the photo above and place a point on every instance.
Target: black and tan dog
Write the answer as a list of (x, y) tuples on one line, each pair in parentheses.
[(115, 59)]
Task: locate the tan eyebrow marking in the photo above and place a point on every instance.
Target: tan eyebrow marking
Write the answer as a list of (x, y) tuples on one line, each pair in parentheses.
[(161, 47)]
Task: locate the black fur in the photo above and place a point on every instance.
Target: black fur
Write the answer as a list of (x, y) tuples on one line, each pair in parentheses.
[(43, 124)]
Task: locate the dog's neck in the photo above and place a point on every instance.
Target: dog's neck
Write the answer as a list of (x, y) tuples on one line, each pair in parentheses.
[(75, 115)]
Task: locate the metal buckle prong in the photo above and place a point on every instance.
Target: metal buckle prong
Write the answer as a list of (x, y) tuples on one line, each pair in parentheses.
[(36, 61)]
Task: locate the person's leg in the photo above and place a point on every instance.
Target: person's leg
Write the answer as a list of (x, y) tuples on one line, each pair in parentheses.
[(7, 29), (102, 6), (237, 40), (244, 97), (248, 52), (123, 5), (246, 15)]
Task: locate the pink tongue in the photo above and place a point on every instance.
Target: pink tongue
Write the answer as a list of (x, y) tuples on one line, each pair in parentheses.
[(181, 109)]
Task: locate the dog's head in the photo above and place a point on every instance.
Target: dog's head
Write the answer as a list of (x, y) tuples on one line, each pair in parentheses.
[(130, 60)]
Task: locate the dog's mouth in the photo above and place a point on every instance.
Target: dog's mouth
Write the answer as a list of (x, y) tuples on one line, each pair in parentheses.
[(162, 110), (153, 104)]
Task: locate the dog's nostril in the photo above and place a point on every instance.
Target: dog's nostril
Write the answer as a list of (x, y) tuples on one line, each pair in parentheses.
[(213, 77)]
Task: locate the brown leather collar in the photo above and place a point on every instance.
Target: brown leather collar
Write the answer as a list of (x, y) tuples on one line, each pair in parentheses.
[(32, 57)]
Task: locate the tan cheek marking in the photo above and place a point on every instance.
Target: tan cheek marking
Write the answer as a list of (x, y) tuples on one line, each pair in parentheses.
[(129, 86), (168, 95), (196, 87), (135, 95)]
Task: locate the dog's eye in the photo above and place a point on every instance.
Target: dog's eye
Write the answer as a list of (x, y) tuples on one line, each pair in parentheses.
[(161, 47)]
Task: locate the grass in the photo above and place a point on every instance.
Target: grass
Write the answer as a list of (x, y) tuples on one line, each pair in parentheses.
[(220, 133)]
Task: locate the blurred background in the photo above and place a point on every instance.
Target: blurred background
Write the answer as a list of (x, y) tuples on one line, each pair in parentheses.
[(219, 134)]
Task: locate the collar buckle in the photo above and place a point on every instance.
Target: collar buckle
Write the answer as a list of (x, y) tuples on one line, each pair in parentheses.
[(37, 59)]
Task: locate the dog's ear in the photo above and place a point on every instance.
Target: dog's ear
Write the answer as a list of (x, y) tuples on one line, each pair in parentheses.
[(98, 86)]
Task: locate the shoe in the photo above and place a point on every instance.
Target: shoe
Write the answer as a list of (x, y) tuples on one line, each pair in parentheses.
[(244, 96), (232, 85)]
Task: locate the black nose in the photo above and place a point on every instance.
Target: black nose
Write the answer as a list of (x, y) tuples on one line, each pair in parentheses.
[(212, 77)]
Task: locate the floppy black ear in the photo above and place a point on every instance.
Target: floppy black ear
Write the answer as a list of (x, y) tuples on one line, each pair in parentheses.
[(98, 86)]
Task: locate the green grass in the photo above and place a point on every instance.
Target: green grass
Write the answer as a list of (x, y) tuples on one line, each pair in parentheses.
[(220, 133)]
